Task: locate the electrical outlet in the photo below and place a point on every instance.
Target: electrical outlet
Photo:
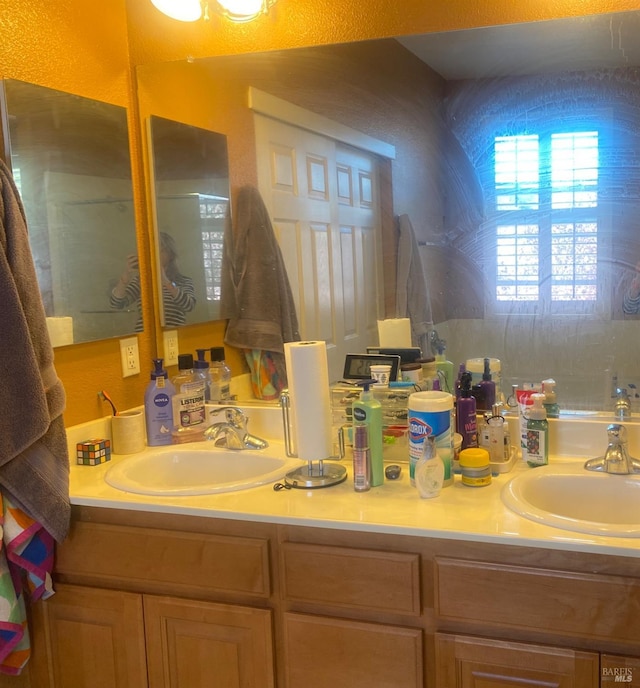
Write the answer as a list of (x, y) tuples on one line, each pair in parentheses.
[(129, 356), (170, 338)]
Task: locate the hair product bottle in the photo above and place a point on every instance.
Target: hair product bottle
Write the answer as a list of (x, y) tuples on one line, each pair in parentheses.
[(487, 388), (361, 458), (466, 420), (368, 411), (158, 406)]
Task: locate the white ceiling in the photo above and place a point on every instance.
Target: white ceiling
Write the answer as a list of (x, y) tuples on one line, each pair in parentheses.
[(578, 43)]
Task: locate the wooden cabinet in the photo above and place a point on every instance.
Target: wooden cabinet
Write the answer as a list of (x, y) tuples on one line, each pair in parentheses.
[(151, 600), (466, 662), (92, 638), (323, 652), (108, 639)]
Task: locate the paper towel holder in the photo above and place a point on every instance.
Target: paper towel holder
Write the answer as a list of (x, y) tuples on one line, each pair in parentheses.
[(319, 473)]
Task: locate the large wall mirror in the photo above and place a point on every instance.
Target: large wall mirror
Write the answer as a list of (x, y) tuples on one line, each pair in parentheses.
[(70, 159), (191, 193), (518, 162)]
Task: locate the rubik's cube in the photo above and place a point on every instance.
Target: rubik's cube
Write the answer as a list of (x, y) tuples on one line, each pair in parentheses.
[(93, 452)]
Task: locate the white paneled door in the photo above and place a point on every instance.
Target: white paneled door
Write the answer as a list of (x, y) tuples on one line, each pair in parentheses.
[(323, 199)]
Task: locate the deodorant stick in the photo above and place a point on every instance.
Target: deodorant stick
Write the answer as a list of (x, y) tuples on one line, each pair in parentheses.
[(430, 415)]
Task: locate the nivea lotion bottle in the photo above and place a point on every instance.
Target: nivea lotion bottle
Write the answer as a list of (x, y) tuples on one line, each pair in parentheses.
[(368, 411), (158, 406)]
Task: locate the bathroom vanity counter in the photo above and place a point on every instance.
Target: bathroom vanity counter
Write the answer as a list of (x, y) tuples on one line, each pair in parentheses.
[(326, 587), (459, 513)]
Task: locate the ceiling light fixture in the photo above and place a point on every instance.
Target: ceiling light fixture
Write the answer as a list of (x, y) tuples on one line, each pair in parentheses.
[(234, 10)]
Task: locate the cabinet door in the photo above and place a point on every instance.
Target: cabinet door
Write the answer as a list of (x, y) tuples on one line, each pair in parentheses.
[(324, 652), (206, 645), (88, 638), (466, 662)]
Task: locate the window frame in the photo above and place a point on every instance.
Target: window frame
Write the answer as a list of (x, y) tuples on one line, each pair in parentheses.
[(544, 217)]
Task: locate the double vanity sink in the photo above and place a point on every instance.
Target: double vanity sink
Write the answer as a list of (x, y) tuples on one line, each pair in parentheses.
[(559, 503)]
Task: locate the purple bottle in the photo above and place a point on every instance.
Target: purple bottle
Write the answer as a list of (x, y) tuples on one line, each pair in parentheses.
[(466, 422)]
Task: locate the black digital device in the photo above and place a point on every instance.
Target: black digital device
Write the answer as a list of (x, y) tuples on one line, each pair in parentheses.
[(408, 355), (358, 366)]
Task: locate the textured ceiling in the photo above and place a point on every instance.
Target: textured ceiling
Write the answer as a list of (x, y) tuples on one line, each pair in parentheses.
[(578, 43)]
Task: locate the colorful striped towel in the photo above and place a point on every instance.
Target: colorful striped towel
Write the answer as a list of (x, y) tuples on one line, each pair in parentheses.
[(26, 557)]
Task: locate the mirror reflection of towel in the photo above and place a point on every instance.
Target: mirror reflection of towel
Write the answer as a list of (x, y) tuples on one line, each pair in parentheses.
[(412, 293), (256, 294)]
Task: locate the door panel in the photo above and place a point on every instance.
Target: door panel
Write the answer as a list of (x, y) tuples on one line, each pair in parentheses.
[(323, 199)]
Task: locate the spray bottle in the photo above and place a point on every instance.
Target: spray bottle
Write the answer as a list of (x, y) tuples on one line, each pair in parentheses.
[(368, 411), (466, 419)]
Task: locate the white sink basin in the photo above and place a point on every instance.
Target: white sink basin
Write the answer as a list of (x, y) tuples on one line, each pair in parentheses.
[(570, 497), (197, 469)]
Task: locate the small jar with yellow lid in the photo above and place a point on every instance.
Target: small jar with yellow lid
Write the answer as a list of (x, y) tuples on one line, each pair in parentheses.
[(475, 467)]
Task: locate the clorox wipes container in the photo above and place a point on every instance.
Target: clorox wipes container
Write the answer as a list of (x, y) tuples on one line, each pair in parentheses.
[(430, 415)]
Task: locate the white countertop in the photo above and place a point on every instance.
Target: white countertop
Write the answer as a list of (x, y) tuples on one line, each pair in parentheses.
[(459, 513)]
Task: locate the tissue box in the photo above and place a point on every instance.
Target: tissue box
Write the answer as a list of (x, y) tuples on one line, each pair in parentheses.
[(93, 452)]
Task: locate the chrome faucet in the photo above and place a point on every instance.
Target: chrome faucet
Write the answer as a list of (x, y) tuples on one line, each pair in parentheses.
[(232, 432), (623, 404), (616, 459)]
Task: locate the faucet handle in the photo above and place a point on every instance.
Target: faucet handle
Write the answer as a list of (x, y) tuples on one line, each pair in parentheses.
[(233, 415), (617, 433)]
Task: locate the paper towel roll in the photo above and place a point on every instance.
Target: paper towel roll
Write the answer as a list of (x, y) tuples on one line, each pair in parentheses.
[(395, 333), (310, 403)]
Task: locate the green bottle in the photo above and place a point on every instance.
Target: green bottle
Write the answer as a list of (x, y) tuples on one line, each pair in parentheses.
[(537, 438), (368, 411)]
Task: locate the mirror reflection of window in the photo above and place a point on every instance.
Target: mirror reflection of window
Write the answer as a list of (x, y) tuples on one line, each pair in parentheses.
[(70, 159), (191, 184)]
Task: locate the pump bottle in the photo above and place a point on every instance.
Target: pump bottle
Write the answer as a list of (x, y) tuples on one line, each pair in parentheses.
[(368, 411), (158, 406), (445, 369), (429, 473), (537, 434), (550, 402)]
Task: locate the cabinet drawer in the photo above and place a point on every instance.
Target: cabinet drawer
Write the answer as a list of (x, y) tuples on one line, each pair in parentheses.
[(563, 602), (352, 578), (322, 652), (165, 561)]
